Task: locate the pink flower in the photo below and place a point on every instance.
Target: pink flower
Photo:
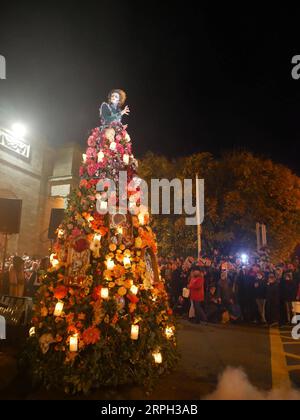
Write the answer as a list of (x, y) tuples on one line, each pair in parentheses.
[(91, 153), (81, 171), (118, 137), (92, 169), (92, 141)]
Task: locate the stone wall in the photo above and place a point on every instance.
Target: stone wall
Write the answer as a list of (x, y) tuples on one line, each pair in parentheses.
[(31, 181)]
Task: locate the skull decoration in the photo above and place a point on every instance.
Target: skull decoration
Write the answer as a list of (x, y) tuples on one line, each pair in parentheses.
[(45, 341)]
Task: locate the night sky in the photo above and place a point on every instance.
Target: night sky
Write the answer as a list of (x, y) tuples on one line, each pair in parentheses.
[(198, 78)]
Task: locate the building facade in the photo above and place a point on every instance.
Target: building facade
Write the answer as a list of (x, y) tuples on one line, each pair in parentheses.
[(40, 176)]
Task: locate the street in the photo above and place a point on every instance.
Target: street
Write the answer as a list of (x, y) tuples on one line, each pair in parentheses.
[(269, 358)]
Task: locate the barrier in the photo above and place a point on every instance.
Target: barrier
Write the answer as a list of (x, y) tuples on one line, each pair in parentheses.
[(16, 311)]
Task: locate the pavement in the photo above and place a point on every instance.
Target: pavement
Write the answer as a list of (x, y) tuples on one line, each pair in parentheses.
[(270, 358)]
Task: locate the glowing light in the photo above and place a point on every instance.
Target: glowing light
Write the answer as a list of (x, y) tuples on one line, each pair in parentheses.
[(134, 290), (244, 258), (84, 157), (110, 264), (58, 309), (74, 343), (104, 293), (32, 332), (169, 332), (127, 262), (19, 130), (157, 357), (135, 329), (141, 218), (120, 230), (97, 237), (54, 260)]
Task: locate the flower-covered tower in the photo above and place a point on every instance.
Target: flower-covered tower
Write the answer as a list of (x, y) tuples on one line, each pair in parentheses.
[(102, 315)]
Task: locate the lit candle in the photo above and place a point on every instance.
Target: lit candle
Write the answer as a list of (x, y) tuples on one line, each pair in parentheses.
[(103, 205), (134, 290), (120, 230), (169, 332), (141, 218), (126, 159), (58, 309), (104, 293), (135, 329), (100, 156), (54, 261), (113, 145), (110, 264), (127, 262), (74, 343), (32, 332), (157, 357), (84, 157)]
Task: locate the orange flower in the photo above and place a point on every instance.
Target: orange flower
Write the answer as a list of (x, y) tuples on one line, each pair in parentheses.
[(132, 307), (60, 292), (119, 271), (91, 335)]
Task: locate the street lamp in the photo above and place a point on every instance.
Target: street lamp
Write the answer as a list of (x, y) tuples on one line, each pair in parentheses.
[(18, 130)]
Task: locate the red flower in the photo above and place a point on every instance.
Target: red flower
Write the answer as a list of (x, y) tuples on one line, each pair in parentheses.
[(81, 245), (96, 293), (91, 335), (83, 183), (60, 292), (169, 312), (132, 298)]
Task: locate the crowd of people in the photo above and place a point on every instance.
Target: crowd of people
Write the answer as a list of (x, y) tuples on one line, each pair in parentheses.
[(233, 289), (216, 289), (21, 275)]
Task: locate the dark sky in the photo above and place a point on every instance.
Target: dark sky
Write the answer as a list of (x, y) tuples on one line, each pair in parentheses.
[(198, 78)]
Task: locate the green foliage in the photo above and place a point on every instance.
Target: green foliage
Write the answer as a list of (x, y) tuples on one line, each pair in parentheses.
[(240, 190)]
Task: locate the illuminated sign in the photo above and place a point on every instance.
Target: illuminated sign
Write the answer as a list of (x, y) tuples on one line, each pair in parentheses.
[(9, 142)]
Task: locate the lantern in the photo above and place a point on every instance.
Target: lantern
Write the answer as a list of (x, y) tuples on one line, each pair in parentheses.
[(169, 332), (157, 357), (141, 218), (135, 329), (110, 264), (104, 293), (74, 343), (58, 309), (134, 290), (127, 262)]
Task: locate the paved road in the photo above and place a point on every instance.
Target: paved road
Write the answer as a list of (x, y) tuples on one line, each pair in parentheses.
[(206, 352)]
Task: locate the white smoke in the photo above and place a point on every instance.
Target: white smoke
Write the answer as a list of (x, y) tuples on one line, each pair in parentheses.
[(235, 386)]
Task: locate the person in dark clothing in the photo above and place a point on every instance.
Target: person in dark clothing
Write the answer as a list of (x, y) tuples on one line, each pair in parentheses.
[(272, 300), (213, 305), (289, 293), (176, 286), (260, 287)]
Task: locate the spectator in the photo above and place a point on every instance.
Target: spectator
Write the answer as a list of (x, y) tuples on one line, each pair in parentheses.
[(196, 287)]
